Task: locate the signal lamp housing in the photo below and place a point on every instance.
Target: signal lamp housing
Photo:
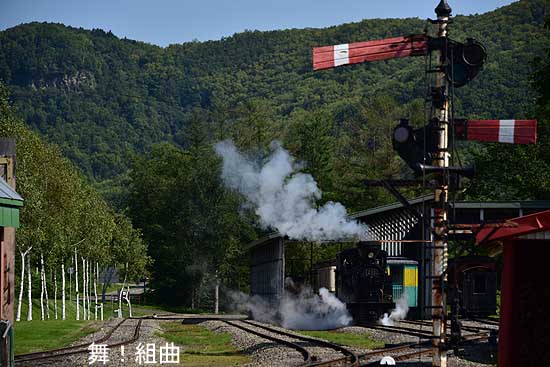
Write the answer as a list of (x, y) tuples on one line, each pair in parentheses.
[(410, 145), (465, 61)]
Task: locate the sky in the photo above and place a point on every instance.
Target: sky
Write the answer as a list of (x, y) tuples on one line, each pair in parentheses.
[(164, 22)]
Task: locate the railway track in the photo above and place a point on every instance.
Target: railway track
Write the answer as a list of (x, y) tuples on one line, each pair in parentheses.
[(417, 333), (349, 358), (474, 329), (425, 333), (296, 342), (486, 321), (303, 351), (82, 348), (423, 349), (279, 336)]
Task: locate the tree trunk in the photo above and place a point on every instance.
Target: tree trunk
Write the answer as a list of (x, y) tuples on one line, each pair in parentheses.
[(63, 291), (42, 317), (128, 300), (122, 291), (29, 311), (55, 294), (217, 297), (22, 284), (84, 289), (43, 270), (18, 317), (120, 301), (76, 284), (95, 290), (88, 288)]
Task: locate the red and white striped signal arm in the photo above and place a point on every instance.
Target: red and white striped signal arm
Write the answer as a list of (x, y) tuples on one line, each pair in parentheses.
[(501, 131), (327, 57)]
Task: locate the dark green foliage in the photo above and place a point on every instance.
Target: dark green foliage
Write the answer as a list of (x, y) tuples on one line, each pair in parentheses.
[(109, 102), (62, 211), (190, 220), (102, 98), (508, 171)]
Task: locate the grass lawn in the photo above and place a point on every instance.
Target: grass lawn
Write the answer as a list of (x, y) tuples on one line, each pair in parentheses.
[(34, 336), (202, 347), (347, 339), (38, 335), (174, 309)]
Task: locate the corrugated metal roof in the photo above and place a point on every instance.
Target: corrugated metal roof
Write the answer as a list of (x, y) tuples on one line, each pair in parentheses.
[(7, 193), (519, 204), (385, 208)]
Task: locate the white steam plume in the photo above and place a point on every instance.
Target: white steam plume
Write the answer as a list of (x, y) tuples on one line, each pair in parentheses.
[(397, 314), (284, 199), (303, 311)]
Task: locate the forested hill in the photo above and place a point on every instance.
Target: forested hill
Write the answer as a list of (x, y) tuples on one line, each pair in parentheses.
[(102, 98)]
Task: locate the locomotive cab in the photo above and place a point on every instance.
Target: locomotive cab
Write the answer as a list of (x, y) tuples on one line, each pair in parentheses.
[(363, 282)]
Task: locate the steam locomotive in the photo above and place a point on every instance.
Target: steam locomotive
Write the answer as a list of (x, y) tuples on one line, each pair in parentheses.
[(363, 283)]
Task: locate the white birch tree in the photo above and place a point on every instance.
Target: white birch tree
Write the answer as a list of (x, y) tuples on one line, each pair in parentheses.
[(95, 289), (63, 290), (76, 285), (29, 290), (41, 293), (84, 289), (127, 298), (88, 288), (55, 294), (44, 286), (22, 283)]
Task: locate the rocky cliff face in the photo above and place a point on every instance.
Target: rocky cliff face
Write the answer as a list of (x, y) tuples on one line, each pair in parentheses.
[(75, 82)]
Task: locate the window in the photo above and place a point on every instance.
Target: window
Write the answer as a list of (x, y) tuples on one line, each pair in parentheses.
[(480, 283)]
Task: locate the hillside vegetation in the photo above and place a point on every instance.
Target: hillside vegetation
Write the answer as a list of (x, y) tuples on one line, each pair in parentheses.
[(102, 99), (140, 121)]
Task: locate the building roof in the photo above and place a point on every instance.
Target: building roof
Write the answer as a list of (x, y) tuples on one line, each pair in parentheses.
[(523, 226), (9, 196), (10, 202), (389, 207), (513, 204)]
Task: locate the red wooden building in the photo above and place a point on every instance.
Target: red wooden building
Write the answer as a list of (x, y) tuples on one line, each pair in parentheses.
[(10, 203), (524, 336)]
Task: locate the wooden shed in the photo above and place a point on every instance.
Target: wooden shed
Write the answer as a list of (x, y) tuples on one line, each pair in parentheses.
[(525, 297), (10, 203)]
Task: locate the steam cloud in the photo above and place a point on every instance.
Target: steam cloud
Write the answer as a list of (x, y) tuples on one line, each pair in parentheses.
[(284, 198), (397, 314), (303, 311)]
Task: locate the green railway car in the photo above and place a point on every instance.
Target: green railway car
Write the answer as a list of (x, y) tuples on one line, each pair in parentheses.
[(404, 279)]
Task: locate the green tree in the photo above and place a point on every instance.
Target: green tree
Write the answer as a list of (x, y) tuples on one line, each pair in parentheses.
[(189, 219)]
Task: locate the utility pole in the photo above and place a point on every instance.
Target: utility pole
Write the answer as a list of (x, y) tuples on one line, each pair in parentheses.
[(439, 354)]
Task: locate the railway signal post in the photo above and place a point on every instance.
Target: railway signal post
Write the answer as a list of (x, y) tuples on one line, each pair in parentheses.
[(441, 159), (426, 150)]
